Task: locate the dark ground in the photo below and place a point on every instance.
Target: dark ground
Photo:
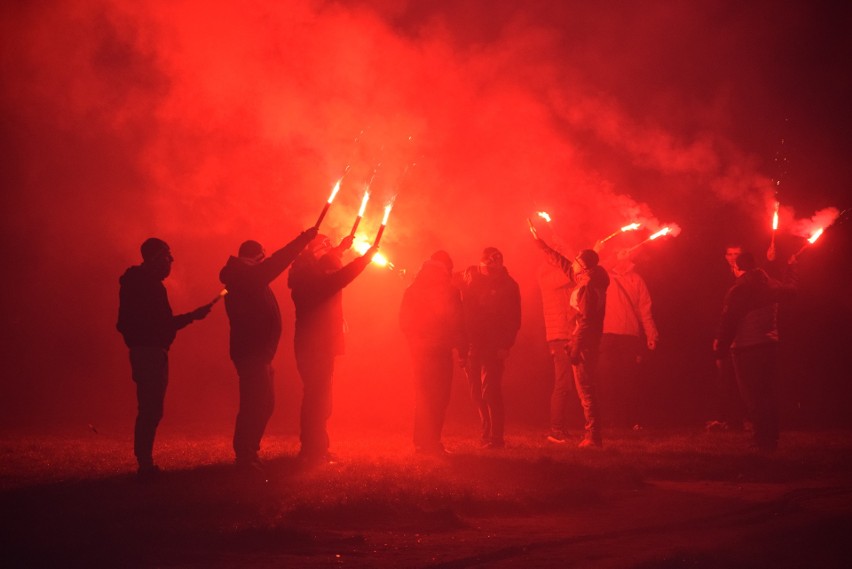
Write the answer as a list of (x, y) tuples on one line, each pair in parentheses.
[(648, 499)]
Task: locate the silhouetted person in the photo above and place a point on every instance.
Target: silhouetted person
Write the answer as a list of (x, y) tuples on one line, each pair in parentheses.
[(432, 321), (627, 321), (748, 329), (727, 409), (255, 321), (317, 280), (492, 308), (559, 322), (588, 298), (149, 327)]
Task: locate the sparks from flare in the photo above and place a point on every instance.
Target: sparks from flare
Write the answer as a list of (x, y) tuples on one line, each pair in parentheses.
[(544, 215), (629, 227), (388, 208), (812, 239)]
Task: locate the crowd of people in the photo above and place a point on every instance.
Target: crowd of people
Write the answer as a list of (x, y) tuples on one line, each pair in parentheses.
[(598, 326)]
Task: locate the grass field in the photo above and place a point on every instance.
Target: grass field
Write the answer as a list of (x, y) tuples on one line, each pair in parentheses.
[(648, 499)]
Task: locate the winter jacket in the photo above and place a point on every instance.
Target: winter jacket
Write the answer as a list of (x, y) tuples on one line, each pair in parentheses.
[(559, 318), (750, 310), (628, 305), (316, 288), (250, 303), (431, 314), (589, 300), (492, 309), (145, 317)]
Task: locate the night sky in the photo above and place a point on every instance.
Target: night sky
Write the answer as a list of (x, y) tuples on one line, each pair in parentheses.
[(207, 124)]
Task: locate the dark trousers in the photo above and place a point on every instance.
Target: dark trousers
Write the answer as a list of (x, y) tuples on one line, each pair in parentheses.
[(150, 369), (485, 377), (618, 380), (257, 402), (756, 368), (585, 381), (317, 371), (433, 378), (562, 397), (726, 403)]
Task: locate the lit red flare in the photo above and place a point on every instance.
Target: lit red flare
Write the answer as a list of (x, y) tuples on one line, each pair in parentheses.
[(660, 233), (532, 229), (384, 222), (812, 239), (775, 216), (220, 296), (328, 203), (362, 245), (361, 210), (544, 215), (630, 227)]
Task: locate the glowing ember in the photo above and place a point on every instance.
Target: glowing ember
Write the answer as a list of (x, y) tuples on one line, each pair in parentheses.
[(631, 227), (544, 215), (775, 216), (815, 236), (219, 296), (660, 233)]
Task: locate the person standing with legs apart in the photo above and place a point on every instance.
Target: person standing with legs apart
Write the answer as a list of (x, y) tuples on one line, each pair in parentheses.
[(492, 308), (255, 321), (149, 327)]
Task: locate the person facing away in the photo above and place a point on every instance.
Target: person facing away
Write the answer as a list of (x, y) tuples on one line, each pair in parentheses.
[(588, 299), (748, 331), (627, 320), (255, 330), (559, 322), (148, 326), (316, 280), (492, 309), (432, 321)]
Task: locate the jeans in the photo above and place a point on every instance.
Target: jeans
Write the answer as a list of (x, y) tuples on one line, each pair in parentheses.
[(485, 377), (563, 385), (150, 369), (756, 368), (317, 371), (433, 378), (257, 402)]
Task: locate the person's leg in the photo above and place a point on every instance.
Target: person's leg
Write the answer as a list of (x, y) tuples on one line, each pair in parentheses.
[(584, 374), (317, 371), (756, 370), (563, 388), (150, 368), (257, 402), (492, 395), (474, 371)]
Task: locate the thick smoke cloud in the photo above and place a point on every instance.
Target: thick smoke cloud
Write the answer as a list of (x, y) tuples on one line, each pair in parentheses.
[(210, 123)]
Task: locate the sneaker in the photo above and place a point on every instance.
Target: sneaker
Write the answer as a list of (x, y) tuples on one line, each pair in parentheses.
[(590, 442), (557, 438), (715, 426)]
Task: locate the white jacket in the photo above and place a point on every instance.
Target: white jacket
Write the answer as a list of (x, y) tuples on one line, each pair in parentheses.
[(628, 305)]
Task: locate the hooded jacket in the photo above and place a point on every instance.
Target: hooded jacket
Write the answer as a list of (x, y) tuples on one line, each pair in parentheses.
[(431, 315), (145, 317), (559, 318), (251, 305), (316, 287), (492, 308), (750, 310), (628, 305)]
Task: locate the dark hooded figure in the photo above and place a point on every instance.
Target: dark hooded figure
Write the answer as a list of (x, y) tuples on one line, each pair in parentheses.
[(255, 331), (317, 280), (748, 331), (432, 321), (588, 299), (148, 326), (492, 308)]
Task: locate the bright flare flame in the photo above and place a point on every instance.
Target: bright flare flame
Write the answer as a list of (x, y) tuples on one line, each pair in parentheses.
[(335, 190), (544, 215), (364, 201), (815, 236), (775, 216), (361, 246), (387, 213), (631, 227), (660, 233)]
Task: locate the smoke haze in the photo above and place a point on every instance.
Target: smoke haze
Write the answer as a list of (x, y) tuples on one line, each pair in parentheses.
[(209, 123)]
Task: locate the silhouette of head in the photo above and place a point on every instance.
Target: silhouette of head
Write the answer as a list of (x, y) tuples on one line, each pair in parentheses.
[(157, 256), (252, 250), (587, 259), (444, 258), (745, 261)]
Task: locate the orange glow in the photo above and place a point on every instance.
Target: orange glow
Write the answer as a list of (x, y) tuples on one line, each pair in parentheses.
[(544, 215), (361, 246), (660, 233), (815, 236)]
